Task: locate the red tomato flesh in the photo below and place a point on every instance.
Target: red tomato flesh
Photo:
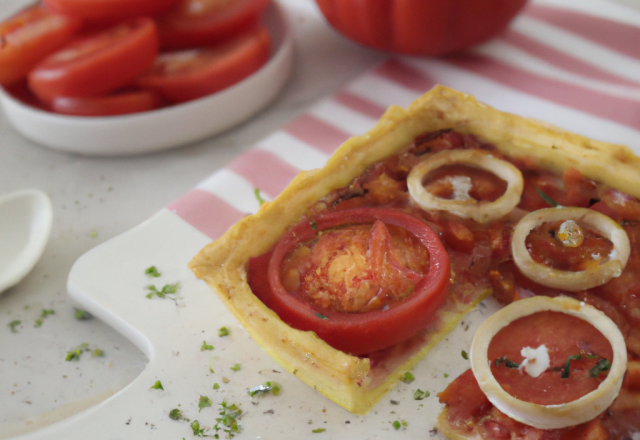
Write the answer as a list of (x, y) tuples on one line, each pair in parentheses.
[(28, 37), (564, 336), (356, 333), (110, 10), (205, 22), (546, 248), (355, 269), (115, 104), (186, 75), (98, 64)]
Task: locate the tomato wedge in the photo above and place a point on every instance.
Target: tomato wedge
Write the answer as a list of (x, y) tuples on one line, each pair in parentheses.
[(28, 37), (120, 103), (97, 64), (356, 333), (186, 75), (205, 22), (110, 10)]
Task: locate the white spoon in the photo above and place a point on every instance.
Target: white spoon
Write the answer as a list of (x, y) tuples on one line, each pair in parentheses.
[(25, 224)]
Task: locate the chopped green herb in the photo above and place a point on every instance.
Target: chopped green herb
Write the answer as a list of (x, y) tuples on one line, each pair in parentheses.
[(318, 430), (206, 346), (225, 379), (167, 289), (176, 414), (157, 385), (73, 355), (13, 325), (236, 367), (261, 201), (152, 271), (228, 420), (43, 315), (600, 366), (314, 225), (276, 388), (507, 363), (408, 377), (203, 402), (197, 431), (567, 366), (82, 315), (321, 316), (259, 390), (399, 424), (464, 355), (216, 386), (546, 198), (420, 395), (223, 332)]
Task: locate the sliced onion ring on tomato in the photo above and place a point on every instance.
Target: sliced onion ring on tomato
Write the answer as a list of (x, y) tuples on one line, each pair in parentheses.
[(482, 212), (558, 416), (362, 333), (572, 281)]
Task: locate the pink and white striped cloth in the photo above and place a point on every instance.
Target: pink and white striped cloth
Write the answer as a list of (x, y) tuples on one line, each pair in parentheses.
[(573, 63)]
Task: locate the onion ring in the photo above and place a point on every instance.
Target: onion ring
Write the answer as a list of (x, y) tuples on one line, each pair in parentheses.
[(563, 415), (481, 212), (571, 281)]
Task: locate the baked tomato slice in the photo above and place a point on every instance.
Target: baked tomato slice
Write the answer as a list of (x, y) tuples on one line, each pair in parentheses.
[(119, 103), (28, 37), (418, 295), (110, 10), (205, 22), (190, 74), (97, 64)]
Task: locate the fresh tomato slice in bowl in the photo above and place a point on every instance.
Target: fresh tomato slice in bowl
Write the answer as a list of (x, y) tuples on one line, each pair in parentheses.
[(182, 76), (110, 10), (97, 64), (29, 36), (119, 103), (204, 22)]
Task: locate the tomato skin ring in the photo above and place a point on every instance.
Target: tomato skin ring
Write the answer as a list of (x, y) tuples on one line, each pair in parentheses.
[(362, 333), (481, 212), (560, 416), (568, 280)]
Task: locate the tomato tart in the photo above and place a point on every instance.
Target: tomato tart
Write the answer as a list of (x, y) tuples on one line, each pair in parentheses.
[(356, 270)]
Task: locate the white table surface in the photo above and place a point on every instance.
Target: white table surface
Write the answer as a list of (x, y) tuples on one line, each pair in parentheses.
[(96, 199)]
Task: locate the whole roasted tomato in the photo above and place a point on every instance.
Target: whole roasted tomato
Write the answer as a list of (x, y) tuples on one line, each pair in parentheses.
[(420, 27)]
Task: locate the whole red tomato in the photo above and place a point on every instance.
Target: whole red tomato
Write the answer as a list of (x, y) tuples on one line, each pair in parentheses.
[(420, 27)]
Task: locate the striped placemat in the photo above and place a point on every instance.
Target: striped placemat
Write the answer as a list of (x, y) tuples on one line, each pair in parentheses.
[(573, 63)]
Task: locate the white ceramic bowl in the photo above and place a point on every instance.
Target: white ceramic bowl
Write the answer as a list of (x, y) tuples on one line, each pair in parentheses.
[(166, 127)]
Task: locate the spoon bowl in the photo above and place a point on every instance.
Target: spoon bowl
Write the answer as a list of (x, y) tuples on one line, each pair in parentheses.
[(25, 224)]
